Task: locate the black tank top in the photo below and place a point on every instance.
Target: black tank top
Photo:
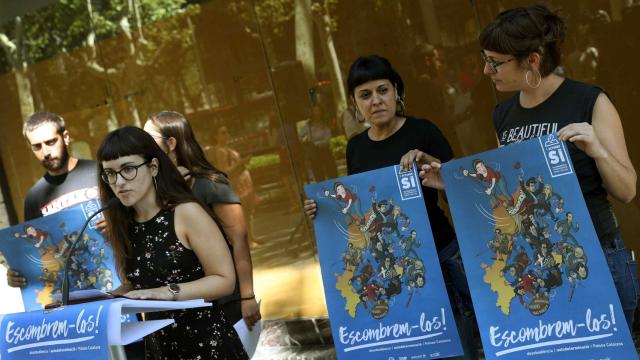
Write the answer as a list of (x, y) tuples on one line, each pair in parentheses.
[(572, 102), (158, 258)]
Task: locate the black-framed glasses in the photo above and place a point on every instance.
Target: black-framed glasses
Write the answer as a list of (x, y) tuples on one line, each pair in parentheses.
[(128, 173), (493, 65)]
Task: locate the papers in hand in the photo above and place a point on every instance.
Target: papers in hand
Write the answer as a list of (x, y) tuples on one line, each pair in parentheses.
[(248, 337)]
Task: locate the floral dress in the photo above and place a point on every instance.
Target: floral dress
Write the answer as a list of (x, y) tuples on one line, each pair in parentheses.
[(157, 259)]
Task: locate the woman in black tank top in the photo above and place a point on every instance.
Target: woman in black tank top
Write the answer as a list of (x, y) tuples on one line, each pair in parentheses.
[(167, 247), (521, 49)]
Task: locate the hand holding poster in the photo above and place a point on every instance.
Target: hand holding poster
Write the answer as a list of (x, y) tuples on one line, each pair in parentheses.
[(382, 279), (37, 250), (533, 260)]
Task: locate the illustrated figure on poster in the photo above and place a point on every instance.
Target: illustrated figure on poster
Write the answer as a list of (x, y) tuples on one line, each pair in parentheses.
[(574, 255), (409, 243), (546, 200), (523, 220), (382, 212), (493, 180), (37, 237), (390, 248), (398, 221), (566, 226), (529, 192), (352, 256), (501, 244), (349, 202)]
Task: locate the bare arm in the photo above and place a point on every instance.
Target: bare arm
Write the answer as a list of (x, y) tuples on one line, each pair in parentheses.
[(197, 231), (122, 289), (493, 183), (234, 227), (603, 140)]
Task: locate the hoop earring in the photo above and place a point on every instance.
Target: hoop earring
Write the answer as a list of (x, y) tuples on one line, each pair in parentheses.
[(356, 115), (400, 104), (526, 78)]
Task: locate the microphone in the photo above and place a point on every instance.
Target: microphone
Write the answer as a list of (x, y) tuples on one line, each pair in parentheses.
[(67, 262)]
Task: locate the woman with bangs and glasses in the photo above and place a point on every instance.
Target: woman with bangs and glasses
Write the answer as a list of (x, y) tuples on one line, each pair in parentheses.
[(521, 50), (377, 93), (173, 133), (166, 246)]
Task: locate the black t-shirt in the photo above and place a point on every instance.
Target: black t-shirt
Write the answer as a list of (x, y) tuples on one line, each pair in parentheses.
[(364, 154), (572, 102), (210, 192), (54, 193)]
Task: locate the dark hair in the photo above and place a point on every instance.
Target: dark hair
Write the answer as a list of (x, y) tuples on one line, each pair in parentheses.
[(586, 270), (373, 67), (171, 188), (531, 181), (189, 153), (525, 30), (42, 117), (477, 162)]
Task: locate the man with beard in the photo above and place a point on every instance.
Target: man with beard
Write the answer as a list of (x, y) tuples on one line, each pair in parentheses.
[(67, 182)]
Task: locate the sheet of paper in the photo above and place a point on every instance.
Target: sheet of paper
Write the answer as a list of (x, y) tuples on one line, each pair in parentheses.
[(81, 294), (126, 333), (248, 337)]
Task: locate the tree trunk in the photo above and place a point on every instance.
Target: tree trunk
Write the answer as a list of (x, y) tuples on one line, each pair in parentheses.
[(331, 58), (24, 93), (304, 40)]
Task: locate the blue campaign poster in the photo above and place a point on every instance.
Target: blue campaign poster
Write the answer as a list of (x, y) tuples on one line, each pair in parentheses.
[(539, 280), (37, 250), (70, 332), (382, 279)]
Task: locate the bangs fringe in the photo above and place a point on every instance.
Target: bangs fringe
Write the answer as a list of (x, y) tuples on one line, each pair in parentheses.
[(118, 144)]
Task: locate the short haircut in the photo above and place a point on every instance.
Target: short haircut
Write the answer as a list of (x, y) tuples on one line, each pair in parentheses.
[(370, 68), (42, 117), (477, 162)]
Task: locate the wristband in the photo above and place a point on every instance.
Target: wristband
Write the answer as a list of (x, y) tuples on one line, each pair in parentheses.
[(248, 298)]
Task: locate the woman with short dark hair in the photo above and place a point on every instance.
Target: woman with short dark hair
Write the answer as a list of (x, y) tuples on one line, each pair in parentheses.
[(377, 92)]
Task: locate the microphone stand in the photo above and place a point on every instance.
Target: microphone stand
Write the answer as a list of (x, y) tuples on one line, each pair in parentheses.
[(67, 262)]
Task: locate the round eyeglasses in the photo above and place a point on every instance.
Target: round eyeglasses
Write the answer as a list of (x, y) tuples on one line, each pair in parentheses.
[(128, 173), (493, 64)]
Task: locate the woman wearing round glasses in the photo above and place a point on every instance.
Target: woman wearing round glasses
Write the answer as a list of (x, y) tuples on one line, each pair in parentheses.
[(521, 49), (166, 247)]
